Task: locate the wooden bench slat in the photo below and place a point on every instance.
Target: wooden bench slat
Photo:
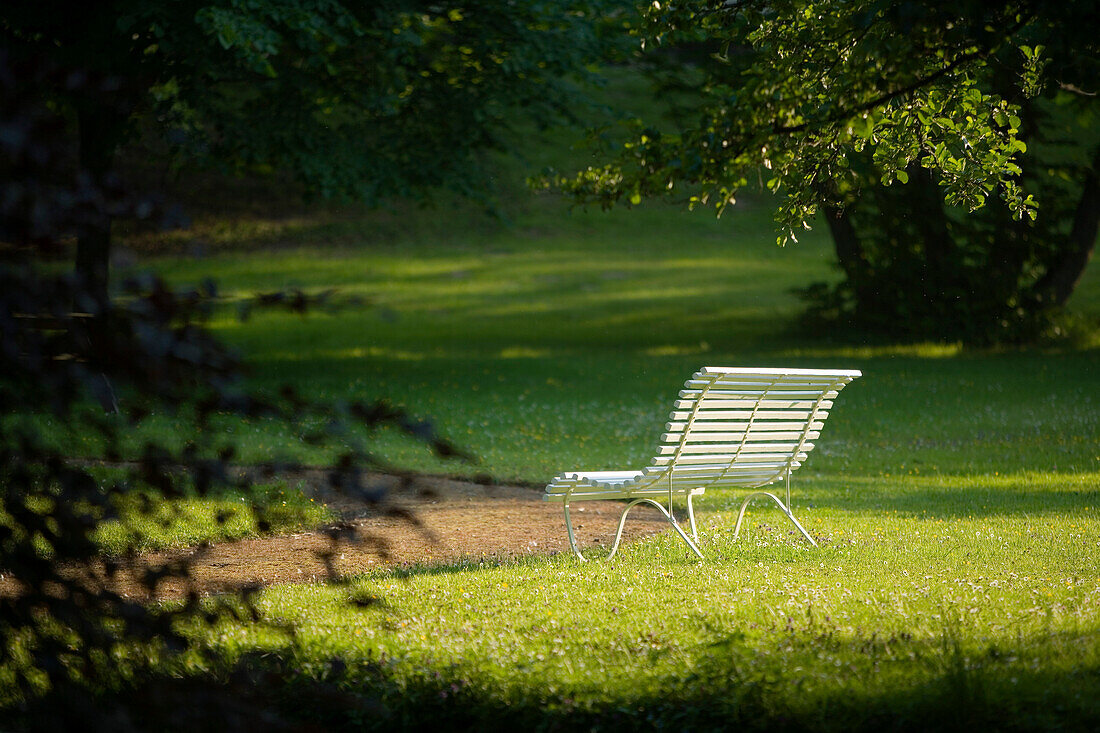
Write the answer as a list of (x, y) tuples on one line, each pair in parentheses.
[(710, 415), (761, 426), (761, 405), (746, 440), (601, 494), (762, 385), (716, 448), (713, 402), (711, 459), (757, 394), (720, 371)]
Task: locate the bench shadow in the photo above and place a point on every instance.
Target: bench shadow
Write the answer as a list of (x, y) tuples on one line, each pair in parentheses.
[(463, 565), (929, 497)]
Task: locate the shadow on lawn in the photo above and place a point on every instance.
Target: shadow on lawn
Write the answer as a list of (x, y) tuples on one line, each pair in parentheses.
[(465, 565), (732, 688), (928, 498)]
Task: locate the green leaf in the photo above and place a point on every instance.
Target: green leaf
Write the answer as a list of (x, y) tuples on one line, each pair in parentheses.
[(865, 127)]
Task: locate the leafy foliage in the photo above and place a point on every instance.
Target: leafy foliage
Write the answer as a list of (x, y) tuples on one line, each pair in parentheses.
[(361, 100), (368, 100), (801, 86), (384, 99), (916, 269), (66, 628), (827, 102)]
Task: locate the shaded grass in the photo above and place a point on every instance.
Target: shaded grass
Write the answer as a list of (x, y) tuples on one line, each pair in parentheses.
[(545, 355)]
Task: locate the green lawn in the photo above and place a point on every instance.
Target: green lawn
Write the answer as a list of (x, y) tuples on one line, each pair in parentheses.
[(956, 493), (559, 342)]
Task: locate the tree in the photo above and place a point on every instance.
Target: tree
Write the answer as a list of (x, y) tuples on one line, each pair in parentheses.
[(366, 100), (876, 114), (68, 632)]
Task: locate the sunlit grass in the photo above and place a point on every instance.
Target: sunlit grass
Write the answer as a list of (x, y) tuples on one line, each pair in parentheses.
[(963, 596), (955, 493)]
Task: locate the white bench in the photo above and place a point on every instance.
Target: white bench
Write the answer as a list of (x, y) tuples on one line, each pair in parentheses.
[(730, 427)]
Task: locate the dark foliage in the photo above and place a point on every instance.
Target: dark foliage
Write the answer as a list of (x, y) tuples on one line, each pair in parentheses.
[(916, 269), (369, 101), (66, 633)]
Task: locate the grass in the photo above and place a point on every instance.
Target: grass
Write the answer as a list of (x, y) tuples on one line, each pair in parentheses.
[(146, 523), (980, 600), (571, 344), (956, 493)]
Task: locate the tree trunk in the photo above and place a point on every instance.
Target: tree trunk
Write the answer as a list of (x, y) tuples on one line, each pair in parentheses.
[(99, 133), (93, 253), (849, 251), (1055, 287), (930, 223)]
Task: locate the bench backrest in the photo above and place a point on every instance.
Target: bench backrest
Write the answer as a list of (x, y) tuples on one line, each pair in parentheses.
[(744, 427)]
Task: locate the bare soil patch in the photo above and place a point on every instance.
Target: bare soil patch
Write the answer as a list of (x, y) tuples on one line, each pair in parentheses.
[(452, 521)]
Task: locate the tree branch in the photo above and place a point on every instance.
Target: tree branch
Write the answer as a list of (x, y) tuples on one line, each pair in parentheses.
[(1073, 89)]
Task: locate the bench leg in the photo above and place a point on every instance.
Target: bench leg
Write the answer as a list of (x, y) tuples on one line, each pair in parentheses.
[(784, 507), (691, 520), (572, 538), (622, 522), (668, 518)]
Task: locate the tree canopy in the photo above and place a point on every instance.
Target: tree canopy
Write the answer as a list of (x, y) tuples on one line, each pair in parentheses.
[(800, 87), (365, 100), (826, 102)]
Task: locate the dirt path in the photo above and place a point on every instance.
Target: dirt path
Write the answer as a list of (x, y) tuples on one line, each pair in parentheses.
[(459, 520)]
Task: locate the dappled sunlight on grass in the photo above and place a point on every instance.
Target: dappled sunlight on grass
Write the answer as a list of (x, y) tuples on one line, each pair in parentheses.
[(955, 494), (591, 401), (677, 350), (523, 352), (357, 352), (920, 351)]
